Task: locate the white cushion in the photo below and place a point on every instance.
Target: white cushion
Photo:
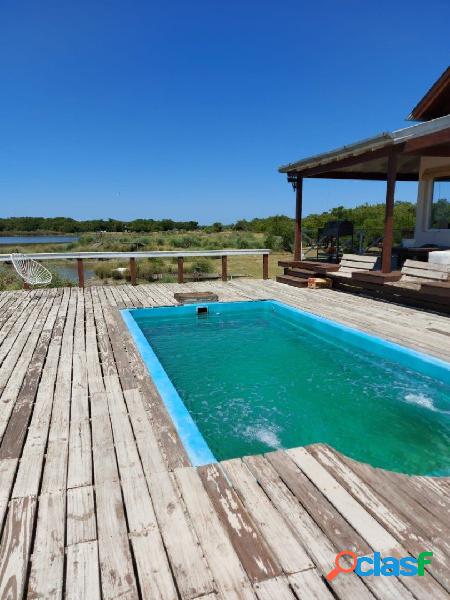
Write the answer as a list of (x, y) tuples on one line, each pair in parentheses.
[(441, 257)]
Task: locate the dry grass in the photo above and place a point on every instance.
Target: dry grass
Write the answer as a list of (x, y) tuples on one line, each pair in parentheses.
[(251, 266)]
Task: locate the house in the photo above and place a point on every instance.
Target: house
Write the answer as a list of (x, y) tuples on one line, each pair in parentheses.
[(420, 152), (434, 185)]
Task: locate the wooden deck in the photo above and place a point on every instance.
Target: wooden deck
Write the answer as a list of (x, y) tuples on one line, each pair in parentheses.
[(98, 500)]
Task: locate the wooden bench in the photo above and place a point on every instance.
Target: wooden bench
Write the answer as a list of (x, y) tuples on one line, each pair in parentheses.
[(437, 288), (415, 273), (296, 273), (420, 284), (350, 263)]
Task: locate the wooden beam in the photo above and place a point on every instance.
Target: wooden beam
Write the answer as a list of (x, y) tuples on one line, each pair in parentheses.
[(224, 269), (372, 175), (265, 266), (427, 142), (386, 266), (437, 97), (298, 219), (80, 268), (133, 271), (349, 161), (180, 269)]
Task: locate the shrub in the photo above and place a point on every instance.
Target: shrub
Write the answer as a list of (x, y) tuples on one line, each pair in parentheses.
[(274, 242), (105, 269), (147, 268), (58, 280), (9, 280), (186, 241), (200, 265)]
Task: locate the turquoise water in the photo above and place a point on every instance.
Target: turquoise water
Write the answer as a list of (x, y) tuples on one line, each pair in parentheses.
[(254, 380)]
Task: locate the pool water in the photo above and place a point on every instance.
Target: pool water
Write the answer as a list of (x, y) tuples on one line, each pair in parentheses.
[(258, 376)]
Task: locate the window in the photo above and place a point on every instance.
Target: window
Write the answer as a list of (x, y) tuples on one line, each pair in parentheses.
[(440, 207)]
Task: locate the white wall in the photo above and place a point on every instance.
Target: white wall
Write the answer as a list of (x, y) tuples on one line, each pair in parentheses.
[(424, 235)]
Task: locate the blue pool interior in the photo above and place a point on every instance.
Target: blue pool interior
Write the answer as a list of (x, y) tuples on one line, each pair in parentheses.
[(250, 377)]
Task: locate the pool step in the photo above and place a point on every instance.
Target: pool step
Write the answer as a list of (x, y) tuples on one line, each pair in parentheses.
[(292, 280)]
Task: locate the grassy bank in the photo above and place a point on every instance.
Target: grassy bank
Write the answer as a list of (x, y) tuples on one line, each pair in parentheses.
[(113, 271)]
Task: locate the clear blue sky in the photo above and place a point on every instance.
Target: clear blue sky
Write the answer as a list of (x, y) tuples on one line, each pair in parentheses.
[(186, 109)]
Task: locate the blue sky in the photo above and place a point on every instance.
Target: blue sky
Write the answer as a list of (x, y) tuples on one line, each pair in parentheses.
[(186, 109)]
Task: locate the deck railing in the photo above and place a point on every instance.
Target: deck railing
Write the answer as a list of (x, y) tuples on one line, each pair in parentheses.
[(133, 256)]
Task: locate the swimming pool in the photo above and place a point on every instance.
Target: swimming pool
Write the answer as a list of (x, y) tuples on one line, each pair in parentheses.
[(249, 377)]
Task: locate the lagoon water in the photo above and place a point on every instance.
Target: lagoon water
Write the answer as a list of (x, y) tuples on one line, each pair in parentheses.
[(69, 271), (20, 240)]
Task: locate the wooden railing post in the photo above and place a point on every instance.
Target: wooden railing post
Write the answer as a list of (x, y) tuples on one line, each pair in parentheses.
[(224, 268), (133, 272), (80, 272), (265, 266), (180, 269)]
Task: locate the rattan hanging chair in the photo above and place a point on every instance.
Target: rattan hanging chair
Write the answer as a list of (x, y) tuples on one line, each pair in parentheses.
[(31, 271)]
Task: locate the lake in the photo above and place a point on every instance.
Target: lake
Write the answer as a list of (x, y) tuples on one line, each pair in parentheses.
[(19, 240), (69, 270)]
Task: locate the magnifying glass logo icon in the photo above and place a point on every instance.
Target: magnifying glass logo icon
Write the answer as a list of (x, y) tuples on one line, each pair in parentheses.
[(342, 569)]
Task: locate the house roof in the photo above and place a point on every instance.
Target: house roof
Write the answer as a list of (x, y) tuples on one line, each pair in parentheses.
[(436, 102), (367, 158)]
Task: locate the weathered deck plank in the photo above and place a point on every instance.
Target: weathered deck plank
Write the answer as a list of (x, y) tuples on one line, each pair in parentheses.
[(14, 436), (47, 567), (257, 558), (287, 548), (15, 547), (81, 521), (224, 563), (82, 576)]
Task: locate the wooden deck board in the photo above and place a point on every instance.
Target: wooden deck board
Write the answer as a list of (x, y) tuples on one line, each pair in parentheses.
[(82, 575), (98, 498)]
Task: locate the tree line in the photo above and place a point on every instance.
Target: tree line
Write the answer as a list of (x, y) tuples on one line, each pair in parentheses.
[(365, 217), (68, 225)]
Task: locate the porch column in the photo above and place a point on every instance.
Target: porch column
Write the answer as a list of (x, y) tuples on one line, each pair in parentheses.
[(386, 264), (298, 219)]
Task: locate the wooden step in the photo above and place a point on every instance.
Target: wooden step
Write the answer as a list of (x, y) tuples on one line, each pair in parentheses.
[(291, 280), (310, 265), (290, 263), (303, 273)]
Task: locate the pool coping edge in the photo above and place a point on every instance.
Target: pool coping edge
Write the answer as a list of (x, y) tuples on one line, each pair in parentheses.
[(198, 451)]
